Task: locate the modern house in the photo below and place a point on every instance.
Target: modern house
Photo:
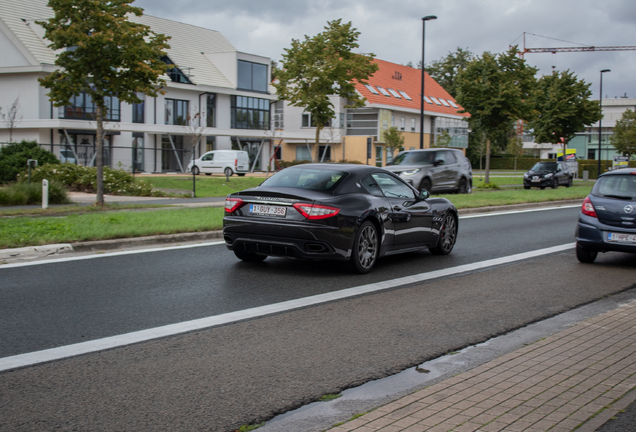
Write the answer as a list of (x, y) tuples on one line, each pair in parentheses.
[(393, 99), (228, 90)]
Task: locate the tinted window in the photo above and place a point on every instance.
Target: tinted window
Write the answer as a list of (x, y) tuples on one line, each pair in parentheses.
[(544, 166), (371, 185), (306, 178), (621, 186), (414, 158), (450, 157), (392, 187)]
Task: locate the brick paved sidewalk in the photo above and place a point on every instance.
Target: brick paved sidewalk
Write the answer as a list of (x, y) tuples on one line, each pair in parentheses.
[(558, 383)]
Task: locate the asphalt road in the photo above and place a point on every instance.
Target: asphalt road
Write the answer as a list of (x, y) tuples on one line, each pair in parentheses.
[(221, 378)]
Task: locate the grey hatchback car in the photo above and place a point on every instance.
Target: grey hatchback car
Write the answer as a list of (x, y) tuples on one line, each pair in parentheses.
[(436, 170)]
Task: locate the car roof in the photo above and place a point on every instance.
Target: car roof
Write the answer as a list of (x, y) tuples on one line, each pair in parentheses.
[(620, 171)]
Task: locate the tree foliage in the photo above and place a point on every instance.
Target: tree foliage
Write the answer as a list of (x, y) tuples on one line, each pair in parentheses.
[(394, 139), (13, 159), (496, 90), (321, 66), (446, 70), (562, 107), (103, 54), (624, 137)]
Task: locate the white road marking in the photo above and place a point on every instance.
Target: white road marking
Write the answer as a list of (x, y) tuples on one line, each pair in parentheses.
[(58, 353), (518, 211)]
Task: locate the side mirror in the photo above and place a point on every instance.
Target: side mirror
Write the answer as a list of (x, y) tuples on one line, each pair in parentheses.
[(424, 194), (438, 162)]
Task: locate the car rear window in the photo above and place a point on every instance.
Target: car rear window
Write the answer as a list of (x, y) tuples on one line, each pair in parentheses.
[(616, 186), (306, 178)]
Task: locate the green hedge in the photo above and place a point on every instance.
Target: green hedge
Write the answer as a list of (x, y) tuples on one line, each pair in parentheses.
[(14, 156), (23, 193)]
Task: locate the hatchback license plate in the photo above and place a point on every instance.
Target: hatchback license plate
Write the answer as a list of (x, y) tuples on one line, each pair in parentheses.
[(621, 238), (268, 210)]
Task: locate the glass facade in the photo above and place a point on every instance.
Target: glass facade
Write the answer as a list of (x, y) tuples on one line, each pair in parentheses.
[(252, 76), (249, 113), (83, 108), (456, 128), (176, 112)]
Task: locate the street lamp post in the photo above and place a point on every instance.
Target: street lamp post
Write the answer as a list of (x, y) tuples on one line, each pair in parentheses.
[(600, 101), (426, 18)]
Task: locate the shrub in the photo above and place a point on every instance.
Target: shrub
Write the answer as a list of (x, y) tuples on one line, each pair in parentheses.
[(13, 159), (84, 179), (23, 193), (487, 186)]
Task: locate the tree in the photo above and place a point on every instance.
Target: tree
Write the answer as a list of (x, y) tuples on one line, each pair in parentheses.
[(515, 147), (446, 70), (562, 107), (496, 90), (443, 139), (11, 117), (321, 66), (394, 139), (624, 137), (103, 55)]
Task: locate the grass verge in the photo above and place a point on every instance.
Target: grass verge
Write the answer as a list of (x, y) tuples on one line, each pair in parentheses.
[(206, 186), (517, 196), (76, 209), (28, 231)]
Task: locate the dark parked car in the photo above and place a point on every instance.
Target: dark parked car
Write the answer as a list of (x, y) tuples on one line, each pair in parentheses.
[(553, 174), (357, 213), (607, 221), (436, 170)]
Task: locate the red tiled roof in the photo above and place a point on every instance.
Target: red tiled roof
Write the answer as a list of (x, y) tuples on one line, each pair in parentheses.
[(407, 79)]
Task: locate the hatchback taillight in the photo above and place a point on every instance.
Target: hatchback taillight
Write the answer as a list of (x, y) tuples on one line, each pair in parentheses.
[(315, 211), (587, 208), (232, 204)]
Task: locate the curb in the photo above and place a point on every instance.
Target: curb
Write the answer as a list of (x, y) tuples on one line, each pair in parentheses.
[(101, 245), (548, 204), (35, 251)]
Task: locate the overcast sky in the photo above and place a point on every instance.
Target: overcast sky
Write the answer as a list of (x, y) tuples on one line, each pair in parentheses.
[(392, 29)]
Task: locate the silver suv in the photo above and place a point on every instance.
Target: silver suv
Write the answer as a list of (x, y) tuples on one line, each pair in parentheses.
[(436, 170)]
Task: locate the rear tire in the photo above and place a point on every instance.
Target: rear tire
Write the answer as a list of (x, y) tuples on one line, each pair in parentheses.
[(249, 257), (228, 172), (586, 256), (464, 186), (365, 248), (555, 183), (240, 174), (526, 187), (208, 173), (569, 183), (447, 236), (195, 170)]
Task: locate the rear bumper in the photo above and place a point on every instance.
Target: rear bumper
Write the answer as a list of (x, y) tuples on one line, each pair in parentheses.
[(592, 234)]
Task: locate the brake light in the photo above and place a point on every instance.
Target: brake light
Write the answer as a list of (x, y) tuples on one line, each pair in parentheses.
[(232, 204), (235, 163), (315, 211), (587, 208)]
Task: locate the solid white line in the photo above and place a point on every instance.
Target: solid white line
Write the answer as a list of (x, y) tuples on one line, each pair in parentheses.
[(109, 254), (518, 211), (32, 358)]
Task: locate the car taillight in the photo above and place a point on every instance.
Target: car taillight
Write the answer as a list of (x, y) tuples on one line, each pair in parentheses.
[(232, 204), (315, 211), (587, 208), (235, 163)]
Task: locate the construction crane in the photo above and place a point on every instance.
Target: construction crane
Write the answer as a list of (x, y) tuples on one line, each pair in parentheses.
[(582, 48)]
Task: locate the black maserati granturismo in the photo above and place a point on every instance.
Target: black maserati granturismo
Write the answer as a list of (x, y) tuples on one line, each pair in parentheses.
[(357, 213)]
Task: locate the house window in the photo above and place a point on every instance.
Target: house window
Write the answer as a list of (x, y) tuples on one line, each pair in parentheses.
[(371, 89), (249, 113), (342, 118), (302, 153), (83, 108), (412, 125), (384, 92), (139, 110), (175, 74), (436, 100), (392, 121), (428, 100), (394, 93), (308, 121), (378, 156), (210, 143), (402, 123), (324, 153), (138, 152), (407, 97), (176, 112), (252, 76), (210, 118)]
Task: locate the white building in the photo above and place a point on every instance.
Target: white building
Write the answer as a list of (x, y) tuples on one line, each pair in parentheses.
[(229, 90)]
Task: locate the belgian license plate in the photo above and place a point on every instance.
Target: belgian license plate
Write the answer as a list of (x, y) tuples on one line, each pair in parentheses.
[(268, 210), (621, 238), (536, 180)]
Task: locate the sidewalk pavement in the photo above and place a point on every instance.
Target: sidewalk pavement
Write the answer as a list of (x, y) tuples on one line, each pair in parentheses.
[(575, 379)]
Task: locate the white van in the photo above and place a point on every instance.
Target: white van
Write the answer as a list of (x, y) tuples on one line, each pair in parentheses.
[(225, 162)]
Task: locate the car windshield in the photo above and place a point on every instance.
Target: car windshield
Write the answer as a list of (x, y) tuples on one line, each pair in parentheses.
[(544, 166), (617, 186), (414, 158), (306, 178)]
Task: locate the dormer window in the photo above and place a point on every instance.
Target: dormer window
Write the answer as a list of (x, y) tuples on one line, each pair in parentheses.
[(175, 74), (252, 76)]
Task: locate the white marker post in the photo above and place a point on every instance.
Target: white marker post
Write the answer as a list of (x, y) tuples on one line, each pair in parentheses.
[(45, 194)]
